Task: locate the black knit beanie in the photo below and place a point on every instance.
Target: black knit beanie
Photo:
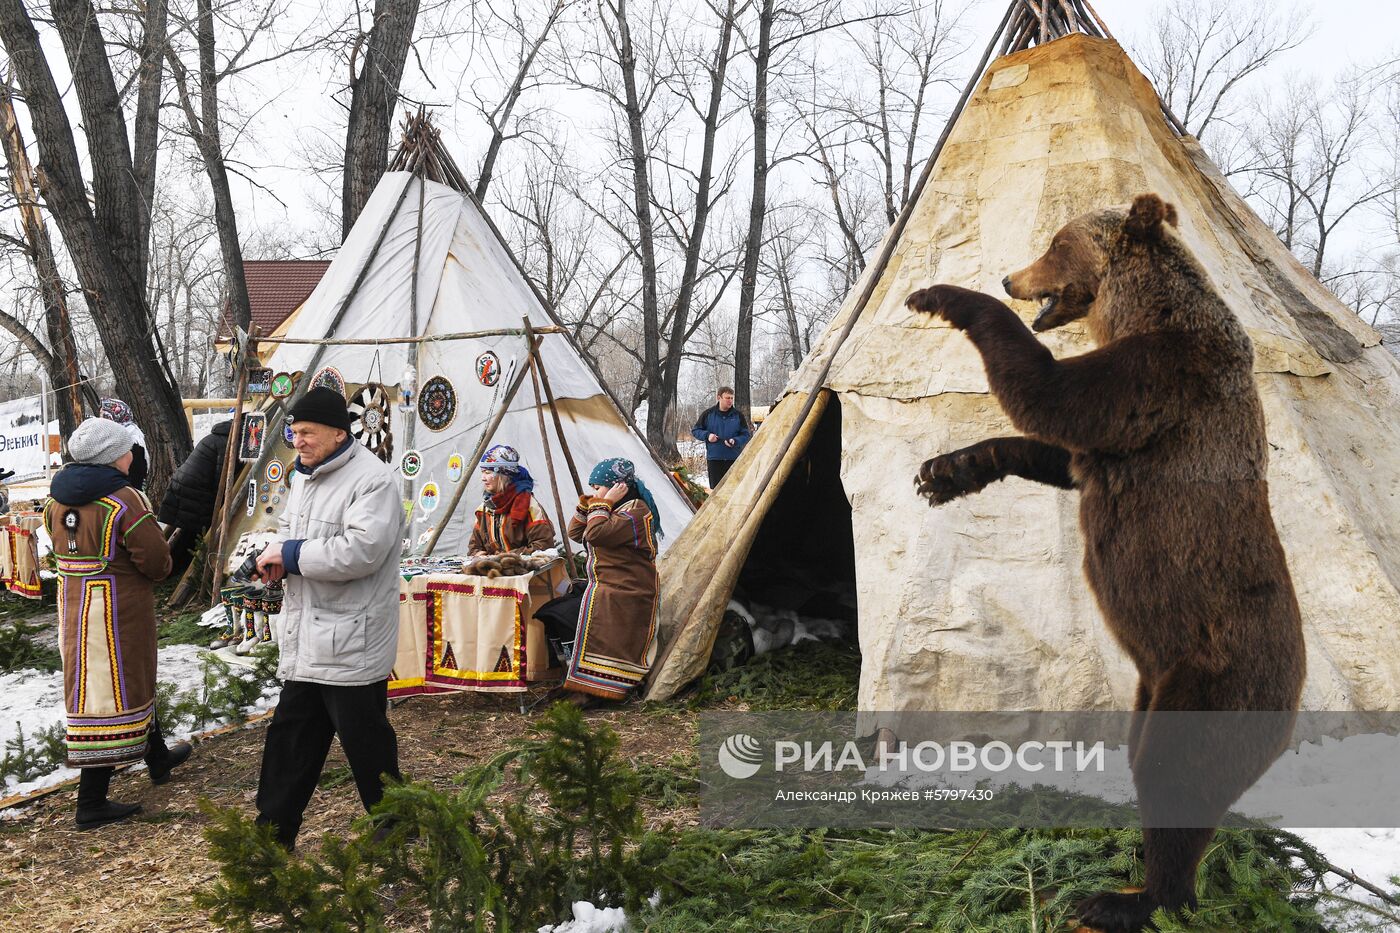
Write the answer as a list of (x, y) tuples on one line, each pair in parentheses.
[(323, 406)]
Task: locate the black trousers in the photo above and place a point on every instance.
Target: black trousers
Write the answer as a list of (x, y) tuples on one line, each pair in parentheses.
[(299, 738), (93, 783), (717, 469)]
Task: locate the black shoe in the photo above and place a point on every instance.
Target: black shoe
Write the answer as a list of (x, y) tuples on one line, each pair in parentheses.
[(176, 755), (109, 812)]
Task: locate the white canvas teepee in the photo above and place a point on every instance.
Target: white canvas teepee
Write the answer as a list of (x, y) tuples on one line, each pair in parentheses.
[(466, 281), (981, 604)]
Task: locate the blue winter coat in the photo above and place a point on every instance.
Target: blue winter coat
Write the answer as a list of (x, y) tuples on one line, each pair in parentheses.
[(724, 425)]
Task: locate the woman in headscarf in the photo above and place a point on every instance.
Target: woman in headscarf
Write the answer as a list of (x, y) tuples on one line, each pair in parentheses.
[(618, 526), (114, 409), (109, 554), (509, 518)]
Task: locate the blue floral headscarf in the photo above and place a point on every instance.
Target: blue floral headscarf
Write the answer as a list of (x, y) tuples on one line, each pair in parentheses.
[(506, 461), (620, 470)]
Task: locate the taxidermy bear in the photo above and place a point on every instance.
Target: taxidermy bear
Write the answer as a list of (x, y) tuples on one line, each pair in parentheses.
[(1161, 432)]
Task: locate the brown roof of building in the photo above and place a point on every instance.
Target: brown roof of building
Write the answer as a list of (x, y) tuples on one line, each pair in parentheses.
[(276, 288)]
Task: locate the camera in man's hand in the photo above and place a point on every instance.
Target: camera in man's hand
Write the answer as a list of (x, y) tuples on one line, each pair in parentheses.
[(247, 571)]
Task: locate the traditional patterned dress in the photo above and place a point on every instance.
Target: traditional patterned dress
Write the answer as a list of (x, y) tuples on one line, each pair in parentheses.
[(109, 552), (515, 526), (617, 619)]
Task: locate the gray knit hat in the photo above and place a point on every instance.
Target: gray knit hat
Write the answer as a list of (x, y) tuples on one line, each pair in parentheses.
[(98, 440)]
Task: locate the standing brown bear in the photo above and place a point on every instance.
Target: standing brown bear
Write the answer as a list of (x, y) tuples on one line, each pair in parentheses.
[(1162, 432)]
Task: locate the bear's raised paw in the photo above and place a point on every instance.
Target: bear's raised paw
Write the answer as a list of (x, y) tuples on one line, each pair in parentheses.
[(949, 476)]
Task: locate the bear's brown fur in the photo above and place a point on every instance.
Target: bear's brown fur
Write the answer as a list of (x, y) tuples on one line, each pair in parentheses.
[(1162, 432)]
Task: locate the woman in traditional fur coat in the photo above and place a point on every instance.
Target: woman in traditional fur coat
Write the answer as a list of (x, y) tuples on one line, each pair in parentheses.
[(109, 552), (509, 517), (618, 526)]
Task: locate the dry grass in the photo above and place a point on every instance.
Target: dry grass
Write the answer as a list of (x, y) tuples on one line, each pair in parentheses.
[(140, 875)]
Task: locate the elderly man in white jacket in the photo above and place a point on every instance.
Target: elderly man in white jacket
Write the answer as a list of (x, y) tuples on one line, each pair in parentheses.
[(338, 545)]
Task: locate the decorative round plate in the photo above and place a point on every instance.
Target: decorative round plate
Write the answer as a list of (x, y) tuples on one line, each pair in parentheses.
[(369, 419), (275, 471), (428, 496), (411, 463), (282, 385), (287, 437), (454, 468), (437, 403), (488, 368), (329, 377)]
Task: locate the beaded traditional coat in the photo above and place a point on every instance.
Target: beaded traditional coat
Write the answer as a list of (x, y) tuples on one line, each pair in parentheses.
[(617, 618), (109, 554)]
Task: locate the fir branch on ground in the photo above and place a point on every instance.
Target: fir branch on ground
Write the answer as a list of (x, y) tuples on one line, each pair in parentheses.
[(182, 628), (993, 881), (29, 757), (19, 649), (813, 675)]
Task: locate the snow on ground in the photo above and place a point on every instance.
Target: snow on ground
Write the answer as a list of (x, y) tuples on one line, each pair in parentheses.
[(590, 919), (33, 700)]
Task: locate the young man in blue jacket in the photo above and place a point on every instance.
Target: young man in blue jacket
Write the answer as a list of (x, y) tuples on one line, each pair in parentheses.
[(724, 431)]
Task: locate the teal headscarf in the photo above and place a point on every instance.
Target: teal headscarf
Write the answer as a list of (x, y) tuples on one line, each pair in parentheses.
[(620, 470)]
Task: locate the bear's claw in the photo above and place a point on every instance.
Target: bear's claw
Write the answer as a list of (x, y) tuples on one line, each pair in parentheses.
[(1112, 912), (949, 476)]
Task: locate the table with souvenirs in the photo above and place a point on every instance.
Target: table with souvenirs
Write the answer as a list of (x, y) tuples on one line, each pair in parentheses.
[(469, 624)]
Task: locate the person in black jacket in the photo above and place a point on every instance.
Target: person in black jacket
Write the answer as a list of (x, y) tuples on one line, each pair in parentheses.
[(725, 432), (189, 500)]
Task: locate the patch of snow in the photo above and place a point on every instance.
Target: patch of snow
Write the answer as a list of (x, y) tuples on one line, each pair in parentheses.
[(33, 701), (590, 919), (1372, 854)]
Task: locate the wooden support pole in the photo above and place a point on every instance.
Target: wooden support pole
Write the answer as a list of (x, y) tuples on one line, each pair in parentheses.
[(235, 440), (536, 368), (428, 338), (515, 383), (554, 415)]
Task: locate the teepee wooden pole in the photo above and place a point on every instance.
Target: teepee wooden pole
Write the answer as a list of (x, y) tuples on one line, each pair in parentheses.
[(516, 382), (563, 526), (235, 439), (558, 423)]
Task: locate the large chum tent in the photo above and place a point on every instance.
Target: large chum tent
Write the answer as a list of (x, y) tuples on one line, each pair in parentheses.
[(422, 262), (981, 604)]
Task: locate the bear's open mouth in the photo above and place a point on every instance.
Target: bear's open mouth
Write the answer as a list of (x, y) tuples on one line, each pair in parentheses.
[(1047, 306)]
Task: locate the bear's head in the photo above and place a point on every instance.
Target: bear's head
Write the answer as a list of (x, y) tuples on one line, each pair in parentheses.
[(1067, 280)]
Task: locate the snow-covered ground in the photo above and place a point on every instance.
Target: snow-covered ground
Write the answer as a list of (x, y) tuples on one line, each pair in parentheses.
[(33, 700)]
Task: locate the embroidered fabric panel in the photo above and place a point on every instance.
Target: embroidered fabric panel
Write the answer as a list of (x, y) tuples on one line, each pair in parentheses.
[(468, 633)]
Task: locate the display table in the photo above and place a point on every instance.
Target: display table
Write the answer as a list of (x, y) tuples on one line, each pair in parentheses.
[(465, 632)]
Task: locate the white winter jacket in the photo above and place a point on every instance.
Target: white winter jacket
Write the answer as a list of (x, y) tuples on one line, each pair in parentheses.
[(340, 617)]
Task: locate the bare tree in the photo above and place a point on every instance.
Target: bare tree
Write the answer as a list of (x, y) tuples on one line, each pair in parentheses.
[(1201, 53), (1317, 164), (501, 115), (653, 88), (105, 237), (60, 357), (374, 92)]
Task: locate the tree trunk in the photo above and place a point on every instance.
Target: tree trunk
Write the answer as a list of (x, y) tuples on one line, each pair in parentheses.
[(60, 359), (373, 93), (114, 291), (661, 402), (758, 206), (147, 127), (122, 215), (652, 370)]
